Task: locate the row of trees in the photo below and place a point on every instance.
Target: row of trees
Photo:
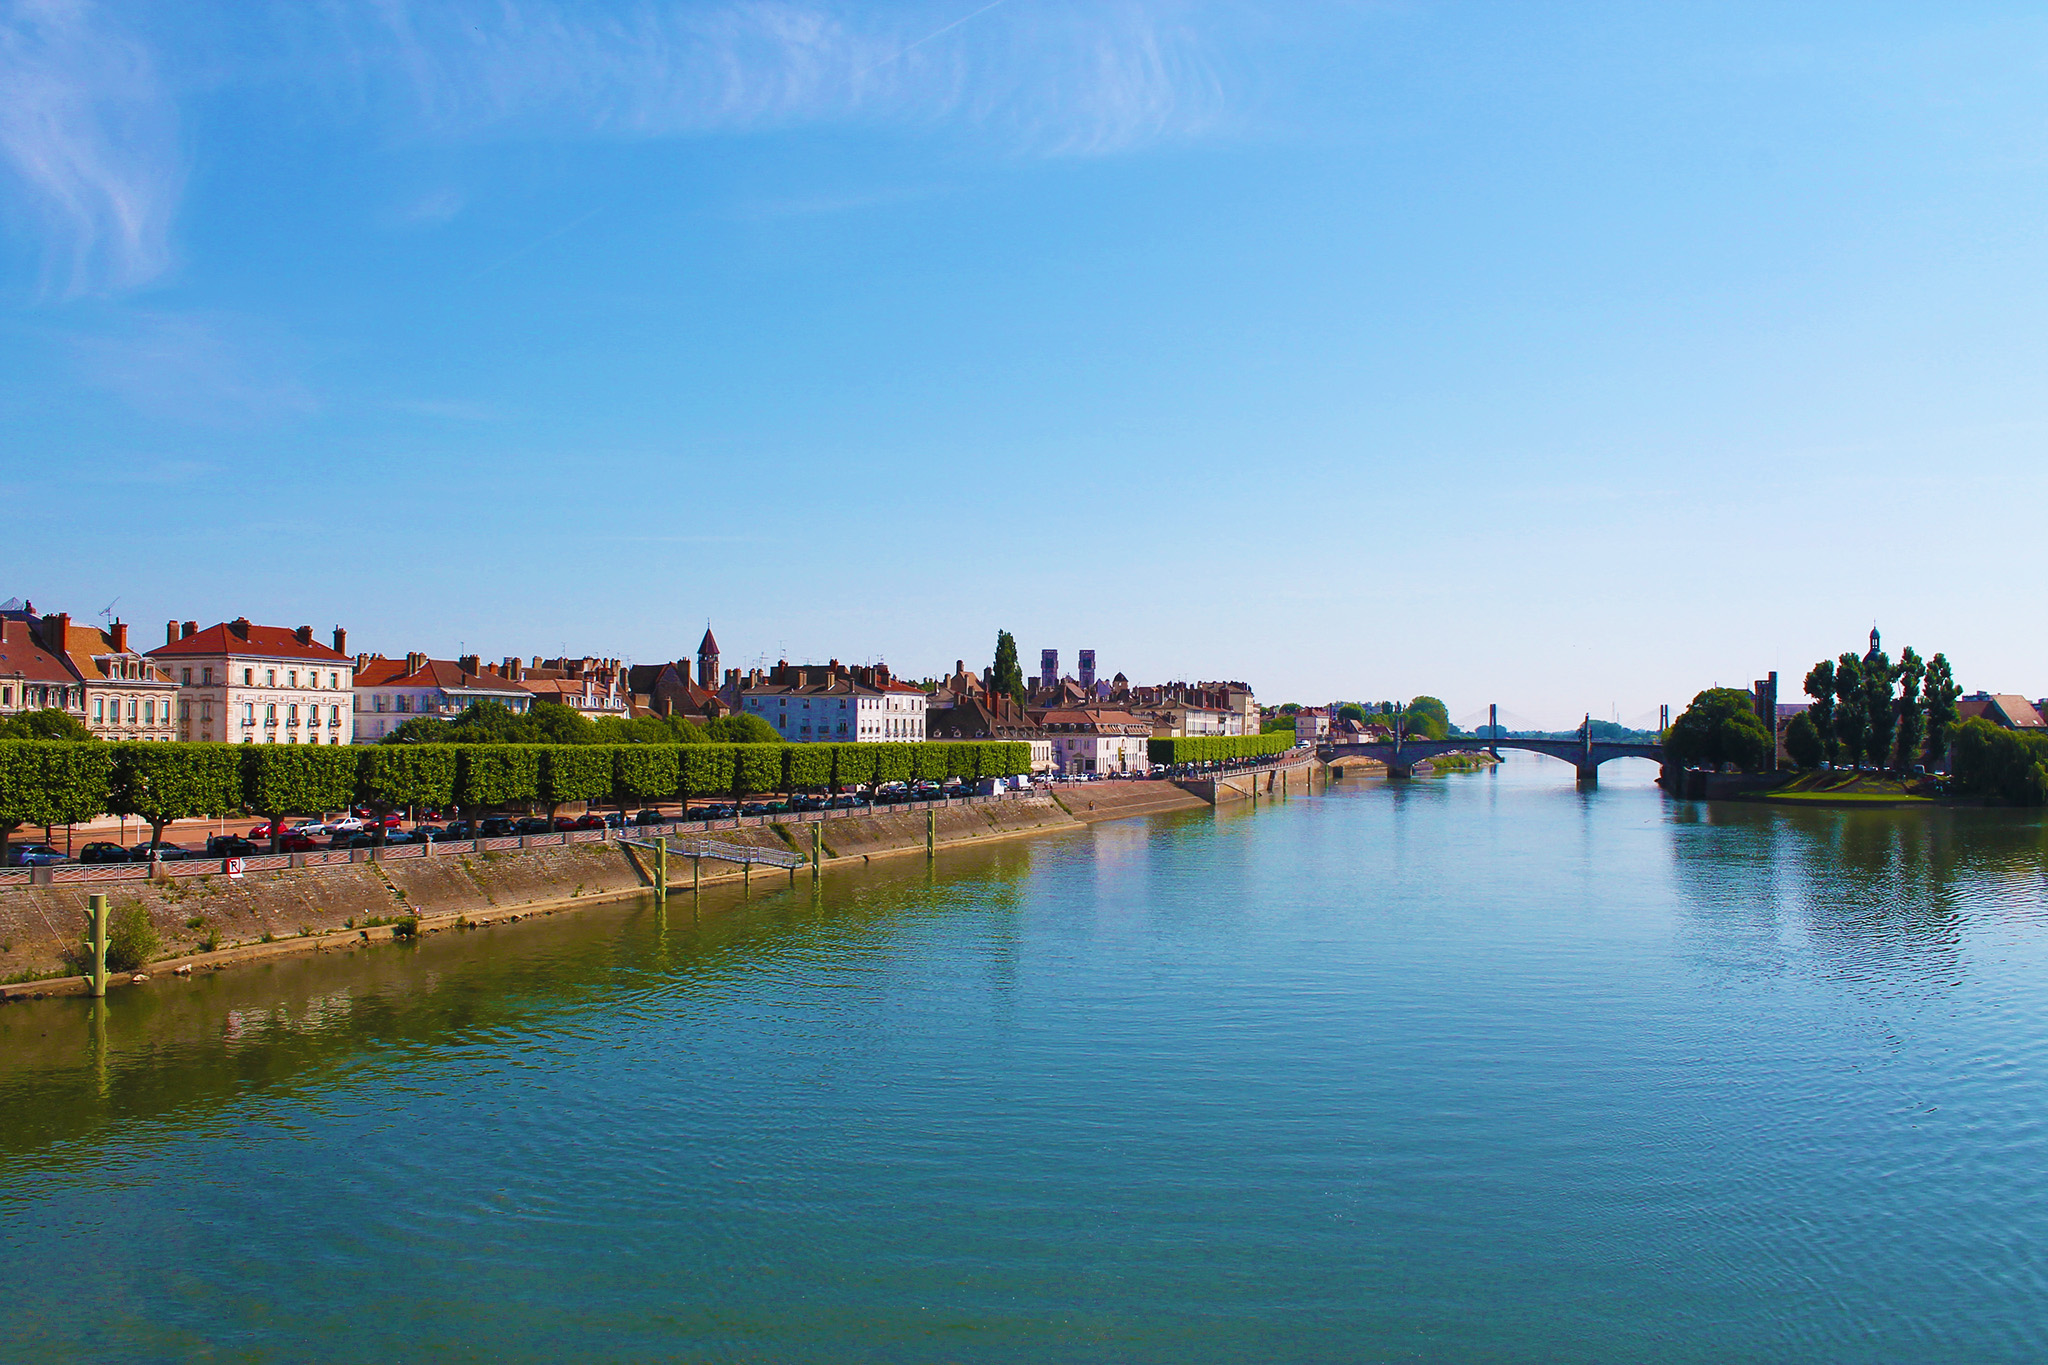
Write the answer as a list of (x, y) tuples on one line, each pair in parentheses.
[(43, 783), (2009, 767), (1867, 709), (550, 722), (1218, 748)]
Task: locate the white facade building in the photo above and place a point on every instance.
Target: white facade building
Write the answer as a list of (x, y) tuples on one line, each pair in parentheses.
[(843, 712), (390, 692), (246, 684)]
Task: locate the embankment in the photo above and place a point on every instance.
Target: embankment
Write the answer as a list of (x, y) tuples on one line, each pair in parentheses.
[(207, 922)]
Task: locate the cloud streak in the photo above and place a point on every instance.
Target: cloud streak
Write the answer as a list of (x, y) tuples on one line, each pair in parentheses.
[(1053, 77), (90, 133)]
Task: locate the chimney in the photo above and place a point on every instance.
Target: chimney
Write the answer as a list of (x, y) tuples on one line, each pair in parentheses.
[(120, 637), (362, 662), (191, 629), (469, 663), (170, 632), (340, 640), (304, 635), (57, 632), (240, 627), (414, 662)]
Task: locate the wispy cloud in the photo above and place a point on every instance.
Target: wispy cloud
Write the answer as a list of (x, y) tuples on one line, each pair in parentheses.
[(209, 369), (1054, 76), (89, 130)]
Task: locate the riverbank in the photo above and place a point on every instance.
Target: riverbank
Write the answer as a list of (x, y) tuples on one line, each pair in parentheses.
[(213, 922)]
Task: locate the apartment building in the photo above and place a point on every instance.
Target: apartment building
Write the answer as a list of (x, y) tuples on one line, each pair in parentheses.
[(248, 684), (832, 704), (128, 695), (390, 692)]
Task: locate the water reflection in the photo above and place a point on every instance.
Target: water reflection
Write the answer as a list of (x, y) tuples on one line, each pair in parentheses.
[(185, 1048)]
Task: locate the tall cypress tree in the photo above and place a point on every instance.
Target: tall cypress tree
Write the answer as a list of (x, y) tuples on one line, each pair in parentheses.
[(1008, 673), (1912, 716), (1880, 713), (1940, 692), (1852, 723), (1820, 685)]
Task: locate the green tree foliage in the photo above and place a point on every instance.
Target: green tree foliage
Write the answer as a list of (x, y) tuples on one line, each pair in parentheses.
[(1820, 685), (1008, 671), (1428, 718), (496, 775), (1802, 741), (1939, 695), (707, 769), (50, 723), (1852, 720), (808, 767), (2008, 767), (574, 772), (159, 783), (1277, 725), (399, 777), (895, 762), (1217, 748), (741, 729), (853, 765), (756, 768), (42, 783), (1720, 727), (1880, 714), (645, 772), (1351, 710), (1912, 672), (296, 779)]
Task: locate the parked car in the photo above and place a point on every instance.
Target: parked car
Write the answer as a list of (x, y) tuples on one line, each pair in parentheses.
[(399, 836), (590, 821), (311, 829), (32, 855), (267, 829), (230, 846), (848, 801), (103, 853), (347, 824), (165, 852), (648, 817), (614, 820), (720, 811), (294, 842), (426, 834), (496, 827), (533, 824), (460, 829)]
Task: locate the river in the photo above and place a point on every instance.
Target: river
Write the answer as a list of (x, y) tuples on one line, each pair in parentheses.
[(1478, 1068)]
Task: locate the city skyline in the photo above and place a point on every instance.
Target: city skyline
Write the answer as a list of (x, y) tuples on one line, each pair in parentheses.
[(1573, 360)]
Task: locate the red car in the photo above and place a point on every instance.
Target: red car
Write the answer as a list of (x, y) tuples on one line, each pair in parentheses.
[(266, 829), (592, 821), (295, 842)]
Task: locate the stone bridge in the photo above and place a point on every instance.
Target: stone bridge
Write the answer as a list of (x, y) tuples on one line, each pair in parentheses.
[(1584, 754)]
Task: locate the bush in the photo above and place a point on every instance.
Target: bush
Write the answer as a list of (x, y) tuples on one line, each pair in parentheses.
[(497, 774), (1721, 726), (131, 939), (1803, 741)]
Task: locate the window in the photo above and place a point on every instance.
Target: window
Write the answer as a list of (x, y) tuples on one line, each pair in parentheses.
[(270, 677), (131, 713), (248, 713), (184, 710), (334, 715), (149, 712), (6, 696), (294, 676), (188, 677), (292, 714), (313, 716), (248, 677), (404, 702), (380, 701), (206, 676), (206, 712), (270, 713), (334, 681)]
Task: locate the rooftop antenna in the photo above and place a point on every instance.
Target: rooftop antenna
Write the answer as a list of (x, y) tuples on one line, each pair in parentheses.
[(107, 612)]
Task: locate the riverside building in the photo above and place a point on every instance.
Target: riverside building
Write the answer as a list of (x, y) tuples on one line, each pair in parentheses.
[(241, 683)]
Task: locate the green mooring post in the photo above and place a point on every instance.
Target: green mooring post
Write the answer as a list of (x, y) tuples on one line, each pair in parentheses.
[(696, 873), (96, 941), (931, 833), (817, 849), (661, 871)]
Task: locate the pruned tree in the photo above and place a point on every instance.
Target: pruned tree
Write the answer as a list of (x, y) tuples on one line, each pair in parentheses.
[(1912, 673), (1939, 695), (1820, 685), (1852, 721), (1008, 671)]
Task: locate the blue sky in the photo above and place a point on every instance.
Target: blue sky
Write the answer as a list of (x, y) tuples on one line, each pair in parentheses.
[(1573, 357)]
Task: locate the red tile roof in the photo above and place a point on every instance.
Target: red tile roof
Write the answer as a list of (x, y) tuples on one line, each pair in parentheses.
[(21, 655), (258, 642)]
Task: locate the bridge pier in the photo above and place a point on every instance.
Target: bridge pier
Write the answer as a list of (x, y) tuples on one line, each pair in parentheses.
[(1398, 769), (1589, 775)]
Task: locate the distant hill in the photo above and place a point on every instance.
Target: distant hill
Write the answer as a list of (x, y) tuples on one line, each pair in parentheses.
[(1602, 730)]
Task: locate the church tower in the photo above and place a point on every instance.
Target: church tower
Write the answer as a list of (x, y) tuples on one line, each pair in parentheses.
[(1874, 646), (707, 660)]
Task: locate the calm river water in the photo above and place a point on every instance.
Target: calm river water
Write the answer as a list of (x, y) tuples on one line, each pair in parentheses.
[(1479, 1068)]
